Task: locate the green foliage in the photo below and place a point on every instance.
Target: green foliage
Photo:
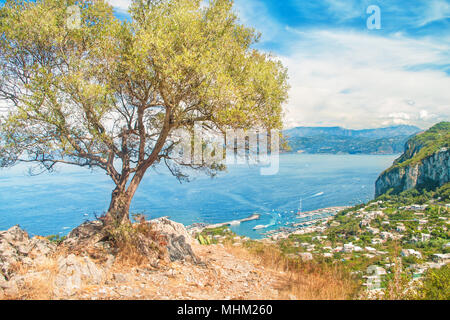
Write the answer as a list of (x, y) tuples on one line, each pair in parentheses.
[(206, 237), (443, 193), (56, 238), (436, 285), (204, 240), (122, 96), (415, 196), (425, 144)]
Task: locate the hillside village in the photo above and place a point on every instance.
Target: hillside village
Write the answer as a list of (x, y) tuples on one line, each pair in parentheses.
[(368, 240)]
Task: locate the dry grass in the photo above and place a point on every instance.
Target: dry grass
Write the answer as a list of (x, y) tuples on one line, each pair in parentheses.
[(302, 280), (137, 244), (292, 278), (38, 285)]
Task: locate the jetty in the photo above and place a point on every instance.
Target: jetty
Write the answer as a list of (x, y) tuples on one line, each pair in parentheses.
[(235, 222)]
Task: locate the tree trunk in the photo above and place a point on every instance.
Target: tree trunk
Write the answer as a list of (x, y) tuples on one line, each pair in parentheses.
[(119, 208)]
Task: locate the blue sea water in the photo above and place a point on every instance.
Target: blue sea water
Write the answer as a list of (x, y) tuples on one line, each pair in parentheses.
[(55, 203)]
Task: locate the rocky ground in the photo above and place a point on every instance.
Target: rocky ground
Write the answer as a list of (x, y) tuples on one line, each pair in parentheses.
[(35, 268)]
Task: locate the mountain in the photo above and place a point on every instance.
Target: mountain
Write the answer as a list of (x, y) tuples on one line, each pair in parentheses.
[(425, 164), (388, 132), (388, 140)]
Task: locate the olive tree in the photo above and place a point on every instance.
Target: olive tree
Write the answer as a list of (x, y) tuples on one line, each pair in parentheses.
[(111, 94)]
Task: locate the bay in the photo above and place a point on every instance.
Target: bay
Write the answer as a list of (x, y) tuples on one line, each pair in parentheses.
[(55, 203)]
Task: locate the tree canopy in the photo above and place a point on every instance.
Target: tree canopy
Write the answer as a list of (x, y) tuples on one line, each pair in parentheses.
[(112, 94)]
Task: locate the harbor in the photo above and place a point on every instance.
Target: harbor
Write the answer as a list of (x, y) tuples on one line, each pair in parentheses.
[(311, 220), (299, 223)]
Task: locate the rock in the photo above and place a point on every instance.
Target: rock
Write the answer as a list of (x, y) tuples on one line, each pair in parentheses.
[(9, 288), (88, 232), (15, 235), (179, 241), (2, 282), (120, 278), (39, 246), (72, 271), (420, 166), (109, 261), (167, 227), (16, 247)]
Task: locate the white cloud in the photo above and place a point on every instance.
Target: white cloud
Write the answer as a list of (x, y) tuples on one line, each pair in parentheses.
[(358, 80), (345, 9), (255, 14), (435, 11), (121, 5)]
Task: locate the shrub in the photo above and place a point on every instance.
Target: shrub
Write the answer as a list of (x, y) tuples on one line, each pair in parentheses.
[(436, 285)]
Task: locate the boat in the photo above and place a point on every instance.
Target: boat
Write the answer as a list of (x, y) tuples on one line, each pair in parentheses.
[(258, 227)]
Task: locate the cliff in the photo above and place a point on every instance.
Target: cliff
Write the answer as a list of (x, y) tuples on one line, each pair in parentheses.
[(425, 164)]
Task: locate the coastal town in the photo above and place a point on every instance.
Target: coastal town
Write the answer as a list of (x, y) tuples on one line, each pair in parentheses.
[(375, 240)]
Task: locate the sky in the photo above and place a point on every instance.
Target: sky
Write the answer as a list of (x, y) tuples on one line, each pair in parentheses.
[(344, 74)]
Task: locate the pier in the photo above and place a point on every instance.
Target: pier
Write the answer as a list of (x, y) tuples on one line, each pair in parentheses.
[(235, 222)]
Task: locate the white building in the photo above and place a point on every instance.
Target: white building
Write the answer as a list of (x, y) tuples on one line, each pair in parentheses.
[(441, 258), (411, 252), (376, 241), (386, 235), (349, 247), (400, 227)]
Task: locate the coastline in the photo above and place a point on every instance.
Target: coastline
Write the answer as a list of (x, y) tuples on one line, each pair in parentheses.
[(323, 216), (315, 216)]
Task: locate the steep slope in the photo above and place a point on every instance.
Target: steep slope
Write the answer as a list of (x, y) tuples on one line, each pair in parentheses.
[(425, 164)]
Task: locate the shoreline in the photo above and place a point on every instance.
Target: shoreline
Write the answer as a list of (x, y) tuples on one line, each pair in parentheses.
[(306, 226), (198, 227), (296, 227)]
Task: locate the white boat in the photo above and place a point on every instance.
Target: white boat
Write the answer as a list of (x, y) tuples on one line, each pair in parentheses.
[(258, 227)]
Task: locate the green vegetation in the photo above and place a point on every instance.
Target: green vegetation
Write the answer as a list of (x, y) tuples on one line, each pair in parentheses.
[(441, 195), (56, 238), (436, 285), (212, 235), (402, 234), (425, 144), (348, 145), (406, 236)]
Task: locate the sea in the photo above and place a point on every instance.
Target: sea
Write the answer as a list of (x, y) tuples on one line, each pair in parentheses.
[(55, 203)]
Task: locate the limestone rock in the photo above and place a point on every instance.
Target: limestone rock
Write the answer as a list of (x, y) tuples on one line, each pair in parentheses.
[(430, 172), (120, 278), (39, 246), (73, 271), (89, 231), (17, 247), (179, 242), (167, 227)]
